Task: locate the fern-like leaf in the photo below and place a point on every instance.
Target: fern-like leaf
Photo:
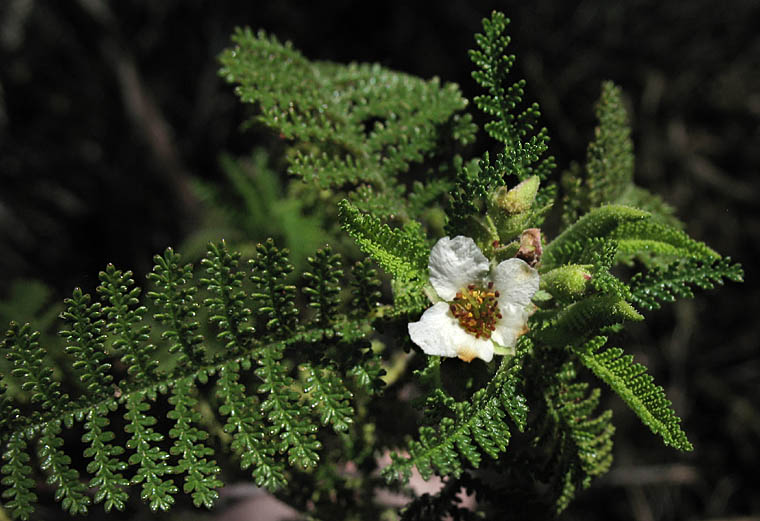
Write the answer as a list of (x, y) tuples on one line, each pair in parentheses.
[(70, 491), (245, 424), (9, 412), (228, 305), (652, 240), (329, 396), (365, 294), (18, 497), (277, 312), (149, 458), (609, 160), (401, 252), (581, 438), (105, 466), (599, 223), (650, 288), (200, 472), (23, 349), (644, 199), (480, 420), (124, 315), (322, 285), (85, 342), (637, 389), (293, 428), (516, 129), (363, 124), (175, 297), (586, 317)]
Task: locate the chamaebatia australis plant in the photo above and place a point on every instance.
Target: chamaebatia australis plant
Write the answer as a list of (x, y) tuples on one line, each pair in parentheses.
[(459, 332)]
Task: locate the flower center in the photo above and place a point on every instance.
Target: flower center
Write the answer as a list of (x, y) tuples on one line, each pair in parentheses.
[(477, 310)]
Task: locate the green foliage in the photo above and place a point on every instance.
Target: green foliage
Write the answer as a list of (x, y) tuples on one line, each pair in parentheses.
[(650, 240), (23, 349), (272, 425), (353, 124), (230, 314), (524, 149), (631, 382), (607, 177), (652, 203), (402, 253), (149, 458), (105, 467), (599, 223), (635, 234), (582, 318), (276, 311), (581, 440), (329, 395), (255, 203), (305, 375), (244, 424), (176, 298), (290, 424), (510, 125), (85, 342), (674, 281), (609, 160), (466, 429), (365, 289), (70, 491), (123, 320), (18, 496), (200, 472), (322, 287)]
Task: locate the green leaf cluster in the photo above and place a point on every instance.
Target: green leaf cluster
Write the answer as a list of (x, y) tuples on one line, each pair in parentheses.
[(295, 371), (272, 422), (353, 127), (606, 222), (465, 430)]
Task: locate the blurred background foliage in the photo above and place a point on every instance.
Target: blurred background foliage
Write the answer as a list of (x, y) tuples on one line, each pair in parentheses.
[(117, 139)]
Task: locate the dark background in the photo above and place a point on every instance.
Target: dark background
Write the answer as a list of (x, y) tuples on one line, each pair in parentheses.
[(108, 110)]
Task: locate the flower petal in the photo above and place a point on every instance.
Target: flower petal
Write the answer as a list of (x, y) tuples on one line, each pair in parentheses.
[(455, 263), (515, 281), (513, 323), (438, 333)]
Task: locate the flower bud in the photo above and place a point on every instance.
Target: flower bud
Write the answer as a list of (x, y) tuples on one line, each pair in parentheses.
[(567, 282), (517, 200)]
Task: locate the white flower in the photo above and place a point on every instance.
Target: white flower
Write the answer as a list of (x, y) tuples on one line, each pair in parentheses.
[(483, 309)]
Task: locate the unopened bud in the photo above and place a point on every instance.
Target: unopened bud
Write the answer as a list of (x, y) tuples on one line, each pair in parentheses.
[(570, 281), (517, 200)]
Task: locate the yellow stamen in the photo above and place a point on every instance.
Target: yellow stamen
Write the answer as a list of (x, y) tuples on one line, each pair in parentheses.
[(477, 310)]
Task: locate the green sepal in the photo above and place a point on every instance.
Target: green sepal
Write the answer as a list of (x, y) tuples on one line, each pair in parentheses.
[(568, 282)]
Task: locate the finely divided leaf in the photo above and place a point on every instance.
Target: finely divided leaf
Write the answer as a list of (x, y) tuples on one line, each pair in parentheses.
[(402, 254), (631, 382)]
